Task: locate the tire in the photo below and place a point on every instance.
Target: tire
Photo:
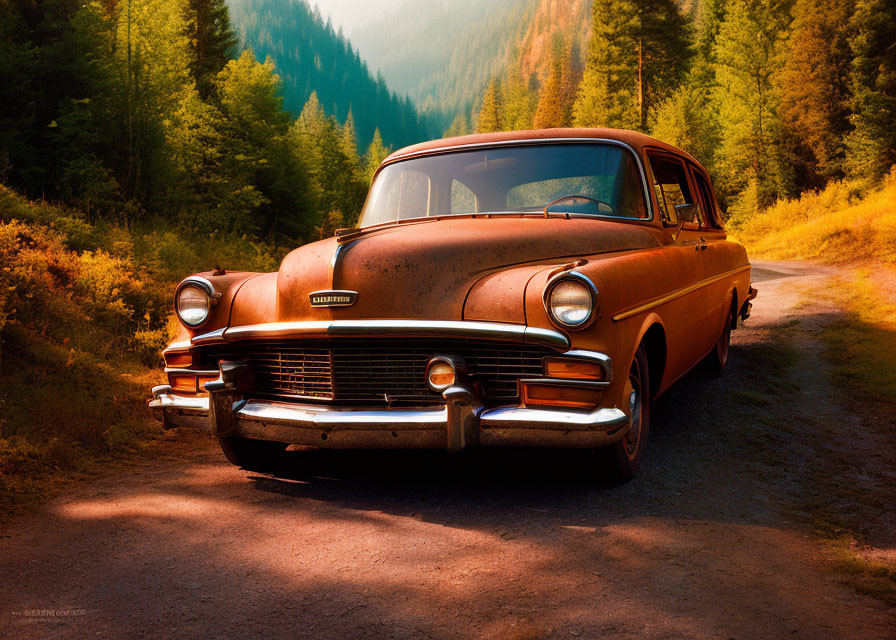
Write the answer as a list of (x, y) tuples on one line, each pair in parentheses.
[(715, 361), (253, 455), (620, 461)]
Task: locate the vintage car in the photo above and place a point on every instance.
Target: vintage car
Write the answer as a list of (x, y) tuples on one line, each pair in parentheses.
[(531, 288)]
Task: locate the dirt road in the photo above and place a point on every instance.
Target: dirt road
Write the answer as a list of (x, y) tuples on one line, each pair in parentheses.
[(711, 540)]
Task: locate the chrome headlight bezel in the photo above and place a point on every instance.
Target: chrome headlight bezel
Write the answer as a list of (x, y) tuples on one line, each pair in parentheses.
[(206, 287), (578, 279)]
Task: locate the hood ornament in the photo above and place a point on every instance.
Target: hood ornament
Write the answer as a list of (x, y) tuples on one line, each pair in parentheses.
[(333, 298)]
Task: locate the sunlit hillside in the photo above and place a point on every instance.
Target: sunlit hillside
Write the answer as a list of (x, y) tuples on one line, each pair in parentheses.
[(835, 225)]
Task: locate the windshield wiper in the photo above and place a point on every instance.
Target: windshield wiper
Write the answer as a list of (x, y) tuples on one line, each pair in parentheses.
[(344, 235)]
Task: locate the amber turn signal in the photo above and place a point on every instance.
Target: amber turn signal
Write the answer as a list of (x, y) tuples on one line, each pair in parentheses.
[(440, 374), (181, 359), (551, 395), (189, 383), (573, 369)]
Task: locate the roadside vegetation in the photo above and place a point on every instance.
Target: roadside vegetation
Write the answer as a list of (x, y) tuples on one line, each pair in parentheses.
[(840, 224), (84, 314)]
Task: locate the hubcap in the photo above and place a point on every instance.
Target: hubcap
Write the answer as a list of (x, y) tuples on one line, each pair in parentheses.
[(633, 389)]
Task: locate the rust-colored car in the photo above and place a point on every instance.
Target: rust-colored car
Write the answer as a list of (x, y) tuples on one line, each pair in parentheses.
[(533, 288)]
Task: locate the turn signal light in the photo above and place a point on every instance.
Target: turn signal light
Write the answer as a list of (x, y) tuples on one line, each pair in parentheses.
[(189, 383), (573, 369), (440, 375), (552, 395), (181, 359)]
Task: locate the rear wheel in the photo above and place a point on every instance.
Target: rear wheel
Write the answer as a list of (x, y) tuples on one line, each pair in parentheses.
[(718, 357), (620, 461), (254, 455)]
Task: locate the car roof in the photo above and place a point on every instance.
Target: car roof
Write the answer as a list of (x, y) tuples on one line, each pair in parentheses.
[(634, 139)]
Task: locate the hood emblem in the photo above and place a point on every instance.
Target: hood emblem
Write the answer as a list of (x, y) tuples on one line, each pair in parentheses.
[(333, 298)]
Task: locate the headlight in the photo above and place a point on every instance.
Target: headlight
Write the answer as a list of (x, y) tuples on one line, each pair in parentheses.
[(570, 300), (193, 302)]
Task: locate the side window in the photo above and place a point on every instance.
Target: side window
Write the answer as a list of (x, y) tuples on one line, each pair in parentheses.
[(631, 201), (672, 190), (463, 200), (712, 215)]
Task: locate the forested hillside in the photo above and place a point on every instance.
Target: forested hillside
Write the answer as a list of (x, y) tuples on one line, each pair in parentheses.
[(443, 53), (311, 57), (773, 97)]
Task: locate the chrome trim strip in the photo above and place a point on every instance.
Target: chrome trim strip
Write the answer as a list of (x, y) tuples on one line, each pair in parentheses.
[(537, 141), (209, 338), (400, 328), (192, 372), (330, 417), (553, 281), (567, 382), (519, 418), (669, 297), (166, 400)]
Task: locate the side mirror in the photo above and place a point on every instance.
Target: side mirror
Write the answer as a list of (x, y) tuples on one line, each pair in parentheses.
[(686, 212)]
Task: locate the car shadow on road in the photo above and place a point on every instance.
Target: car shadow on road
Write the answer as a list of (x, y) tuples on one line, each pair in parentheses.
[(701, 463)]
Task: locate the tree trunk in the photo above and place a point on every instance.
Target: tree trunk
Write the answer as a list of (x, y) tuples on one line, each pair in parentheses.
[(642, 116)]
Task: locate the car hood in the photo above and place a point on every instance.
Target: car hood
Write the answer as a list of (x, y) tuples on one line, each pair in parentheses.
[(426, 270)]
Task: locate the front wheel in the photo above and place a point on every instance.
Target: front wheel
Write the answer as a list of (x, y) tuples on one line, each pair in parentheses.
[(254, 455), (620, 461)]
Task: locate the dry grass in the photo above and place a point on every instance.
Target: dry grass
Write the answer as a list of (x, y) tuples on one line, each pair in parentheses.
[(85, 309), (838, 225), (862, 344)]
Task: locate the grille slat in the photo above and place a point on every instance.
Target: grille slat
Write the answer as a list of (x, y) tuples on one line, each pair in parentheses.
[(371, 370)]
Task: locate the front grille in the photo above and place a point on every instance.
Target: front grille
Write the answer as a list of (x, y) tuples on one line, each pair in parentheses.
[(378, 371)]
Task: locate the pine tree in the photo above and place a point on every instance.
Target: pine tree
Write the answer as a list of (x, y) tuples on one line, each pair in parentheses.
[(520, 102), (460, 126), (551, 113), (491, 113), (748, 53), (637, 55), (376, 153), (872, 146), (212, 41), (348, 141), (814, 96)]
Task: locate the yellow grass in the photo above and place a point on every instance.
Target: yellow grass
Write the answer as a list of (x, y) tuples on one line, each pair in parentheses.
[(836, 225)]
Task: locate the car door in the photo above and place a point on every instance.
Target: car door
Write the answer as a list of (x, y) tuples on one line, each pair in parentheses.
[(685, 315), (716, 259)]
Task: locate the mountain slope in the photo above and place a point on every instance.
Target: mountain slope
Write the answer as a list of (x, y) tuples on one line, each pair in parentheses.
[(311, 56), (444, 53)]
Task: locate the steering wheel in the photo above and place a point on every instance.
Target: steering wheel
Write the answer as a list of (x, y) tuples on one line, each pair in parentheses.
[(577, 200)]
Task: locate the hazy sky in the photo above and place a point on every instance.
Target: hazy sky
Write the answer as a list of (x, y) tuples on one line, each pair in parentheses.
[(350, 14)]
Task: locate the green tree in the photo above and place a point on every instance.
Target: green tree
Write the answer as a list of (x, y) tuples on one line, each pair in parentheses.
[(520, 101), (813, 90), (637, 55), (872, 145), (748, 53), (212, 41), (688, 120), (247, 173), (376, 153), (552, 109), (460, 126), (491, 112)]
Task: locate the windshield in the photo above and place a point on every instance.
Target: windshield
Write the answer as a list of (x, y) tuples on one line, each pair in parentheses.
[(603, 178)]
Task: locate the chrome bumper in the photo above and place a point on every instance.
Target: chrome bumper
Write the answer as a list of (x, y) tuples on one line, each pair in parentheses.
[(460, 423)]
